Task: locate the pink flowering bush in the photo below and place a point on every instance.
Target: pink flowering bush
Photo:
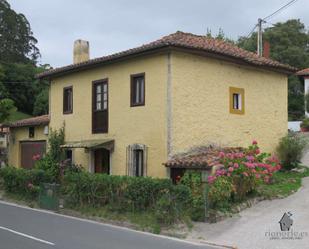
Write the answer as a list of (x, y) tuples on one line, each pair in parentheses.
[(245, 170)]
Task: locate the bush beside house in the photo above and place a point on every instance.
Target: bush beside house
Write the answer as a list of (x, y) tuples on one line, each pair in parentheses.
[(238, 175)]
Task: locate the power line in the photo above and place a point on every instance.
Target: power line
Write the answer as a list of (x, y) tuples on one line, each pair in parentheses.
[(260, 28), (280, 9), (251, 31)]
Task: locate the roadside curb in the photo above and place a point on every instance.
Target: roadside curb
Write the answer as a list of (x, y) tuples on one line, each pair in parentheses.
[(216, 244)]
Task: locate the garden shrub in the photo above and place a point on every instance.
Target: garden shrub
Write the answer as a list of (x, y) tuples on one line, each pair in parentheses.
[(22, 181), (49, 166), (244, 171), (291, 149), (53, 162), (193, 180), (220, 193), (124, 193)]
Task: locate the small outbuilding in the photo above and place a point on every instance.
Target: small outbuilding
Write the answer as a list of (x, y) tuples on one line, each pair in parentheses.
[(27, 141)]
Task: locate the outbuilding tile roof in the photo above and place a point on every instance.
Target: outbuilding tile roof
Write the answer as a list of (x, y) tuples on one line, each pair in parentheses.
[(204, 157), (200, 43), (35, 121), (303, 72)]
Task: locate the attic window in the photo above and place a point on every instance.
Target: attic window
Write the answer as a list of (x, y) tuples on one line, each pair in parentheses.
[(237, 100), (31, 132)]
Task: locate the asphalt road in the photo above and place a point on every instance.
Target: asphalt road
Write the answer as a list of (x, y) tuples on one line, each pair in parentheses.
[(25, 228)]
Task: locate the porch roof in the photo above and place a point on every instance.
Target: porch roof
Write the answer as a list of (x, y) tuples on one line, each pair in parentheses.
[(90, 144)]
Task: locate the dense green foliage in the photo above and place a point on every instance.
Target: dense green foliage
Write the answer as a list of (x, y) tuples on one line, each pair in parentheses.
[(18, 58), (16, 36), (291, 149), (52, 161), (193, 180), (288, 44), (220, 192), (22, 181), (123, 193), (6, 109)]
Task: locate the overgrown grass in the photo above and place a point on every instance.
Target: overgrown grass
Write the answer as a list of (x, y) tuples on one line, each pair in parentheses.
[(18, 115), (145, 221), (284, 184)]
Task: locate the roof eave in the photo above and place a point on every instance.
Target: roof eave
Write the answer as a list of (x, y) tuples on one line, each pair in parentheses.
[(95, 63)]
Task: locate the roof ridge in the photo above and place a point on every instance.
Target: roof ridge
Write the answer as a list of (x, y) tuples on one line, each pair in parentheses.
[(185, 40)]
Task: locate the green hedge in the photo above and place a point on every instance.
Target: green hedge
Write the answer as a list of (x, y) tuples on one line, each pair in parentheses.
[(123, 193), (23, 182)]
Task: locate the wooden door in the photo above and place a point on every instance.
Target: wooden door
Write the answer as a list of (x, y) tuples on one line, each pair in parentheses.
[(101, 161), (30, 152)]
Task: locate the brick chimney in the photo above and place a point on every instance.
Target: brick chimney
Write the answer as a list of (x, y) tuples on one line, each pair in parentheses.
[(266, 49), (81, 51)]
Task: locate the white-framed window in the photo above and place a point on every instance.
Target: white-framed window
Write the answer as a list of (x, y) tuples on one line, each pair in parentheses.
[(237, 101), (137, 160)]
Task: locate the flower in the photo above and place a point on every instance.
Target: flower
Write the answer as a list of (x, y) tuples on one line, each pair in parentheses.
[(230, 169), (257, 151), (221, 154), (254, 142), (211, 179), (30, 185), (245, 174), (236, 165)]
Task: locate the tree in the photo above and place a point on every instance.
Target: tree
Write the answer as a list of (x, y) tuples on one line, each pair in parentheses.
[(289, 44), (6, 109), (41, 103), (17, 43), (219, 36)]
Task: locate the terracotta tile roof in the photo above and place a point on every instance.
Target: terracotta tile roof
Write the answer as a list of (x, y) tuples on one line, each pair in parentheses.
[(186, 41), (206, 157), (303, 72), (35, 121)]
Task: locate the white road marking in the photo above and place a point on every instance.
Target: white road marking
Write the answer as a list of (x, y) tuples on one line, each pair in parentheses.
[(27, 236)]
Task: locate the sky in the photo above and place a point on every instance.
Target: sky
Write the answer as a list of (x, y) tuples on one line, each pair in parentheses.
[(115, 25)]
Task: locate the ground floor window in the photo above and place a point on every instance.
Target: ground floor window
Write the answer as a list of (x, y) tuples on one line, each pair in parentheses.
[(69, 155), (137, 160), (176, 174)]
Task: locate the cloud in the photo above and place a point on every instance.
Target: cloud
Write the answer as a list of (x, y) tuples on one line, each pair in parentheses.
[(115, 25)]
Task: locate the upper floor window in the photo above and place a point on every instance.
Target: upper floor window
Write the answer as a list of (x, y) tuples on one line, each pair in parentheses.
[(100, 106), (237, 100), (68, 100), (138, 89), (31, 132)]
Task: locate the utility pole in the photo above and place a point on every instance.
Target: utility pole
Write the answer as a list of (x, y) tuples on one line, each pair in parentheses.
[(260, 38)]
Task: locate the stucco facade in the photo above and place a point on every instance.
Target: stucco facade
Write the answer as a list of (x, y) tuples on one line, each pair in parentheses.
[(127, 125), (20, 135), (187, 104), (200, 104)]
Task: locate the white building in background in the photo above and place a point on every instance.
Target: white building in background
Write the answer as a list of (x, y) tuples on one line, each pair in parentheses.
[(305, 74)]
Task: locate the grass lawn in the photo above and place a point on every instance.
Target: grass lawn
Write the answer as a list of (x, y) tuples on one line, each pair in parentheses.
[(18, 115), (284, 183)]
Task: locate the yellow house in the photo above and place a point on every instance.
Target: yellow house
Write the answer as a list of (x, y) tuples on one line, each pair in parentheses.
[(129, 112), (27, 139)]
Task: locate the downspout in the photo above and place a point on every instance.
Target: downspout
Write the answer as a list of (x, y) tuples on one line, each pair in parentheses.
[(169, 106)]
